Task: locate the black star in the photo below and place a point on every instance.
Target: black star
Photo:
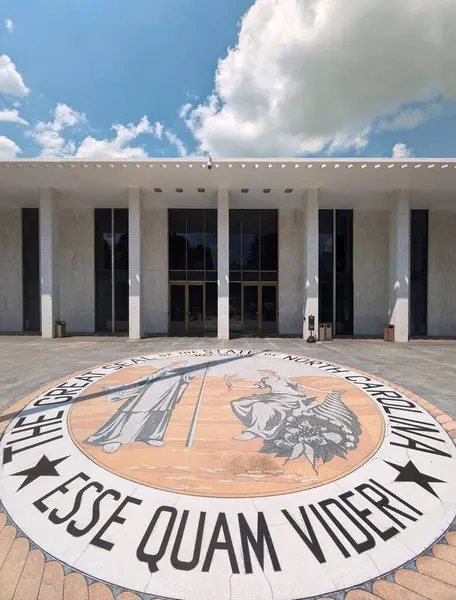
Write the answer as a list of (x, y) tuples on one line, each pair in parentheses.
[(44, 467), (410, 473)]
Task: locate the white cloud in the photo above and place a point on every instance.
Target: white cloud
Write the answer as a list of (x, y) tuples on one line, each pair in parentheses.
[(49, 135), (9, 25), (8, 148), (401, 151), (411, 117), (343, 142), (159, 131), (307, 73), (185, 108), (11, 116), (11, 81), (117, 147)]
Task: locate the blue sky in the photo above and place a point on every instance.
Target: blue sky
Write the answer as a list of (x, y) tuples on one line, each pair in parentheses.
[(287, 87)]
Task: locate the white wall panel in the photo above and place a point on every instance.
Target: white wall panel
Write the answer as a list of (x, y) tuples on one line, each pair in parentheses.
[(442, 273), (155, 270), (10, 270), (370, 270), (77, 269)]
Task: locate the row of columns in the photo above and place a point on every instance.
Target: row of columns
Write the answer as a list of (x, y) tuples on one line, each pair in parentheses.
[(399, 262)]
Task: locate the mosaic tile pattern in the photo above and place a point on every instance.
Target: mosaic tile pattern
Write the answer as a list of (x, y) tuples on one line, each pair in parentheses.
[(28, 572)]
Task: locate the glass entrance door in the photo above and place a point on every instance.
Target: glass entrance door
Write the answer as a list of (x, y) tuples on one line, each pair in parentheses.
[(253, 308), (177, 313), (192, 309), (251, 311), (268, 309), (195, 313)]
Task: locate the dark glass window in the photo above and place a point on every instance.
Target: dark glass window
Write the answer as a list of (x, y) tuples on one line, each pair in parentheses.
[(235, 239), (195, 240), (251, 240), (325, 265), (193, 263), (111, 269), (31, 269), (192, 241), (336, 269), (269, 240), (177, 223), (418, 271), (210, 242), (344, 272)]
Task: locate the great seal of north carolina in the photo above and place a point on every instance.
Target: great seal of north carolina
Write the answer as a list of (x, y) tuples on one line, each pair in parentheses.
[(179, 473)]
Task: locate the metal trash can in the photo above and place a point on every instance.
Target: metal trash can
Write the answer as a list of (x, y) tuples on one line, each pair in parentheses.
[(328, 332), (388, 333), (321, 332), (60, 329)]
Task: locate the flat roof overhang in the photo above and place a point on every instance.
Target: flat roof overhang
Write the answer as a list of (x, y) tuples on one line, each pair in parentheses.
[(23, 178)]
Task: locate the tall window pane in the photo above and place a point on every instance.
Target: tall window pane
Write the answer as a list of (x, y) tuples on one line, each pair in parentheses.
[(103, 269), (325, 265), (418, 271), (210, 243), (121, 269), (235, 239), (195, 240), (111, 270), (344, 272), (251, 240), (269, 240), (177, 223), (31, 269)]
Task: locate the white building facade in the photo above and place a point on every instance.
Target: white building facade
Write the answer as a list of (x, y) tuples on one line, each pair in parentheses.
[(248, 247)]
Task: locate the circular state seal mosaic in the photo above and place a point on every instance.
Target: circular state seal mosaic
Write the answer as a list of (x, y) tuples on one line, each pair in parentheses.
[(255, 474)]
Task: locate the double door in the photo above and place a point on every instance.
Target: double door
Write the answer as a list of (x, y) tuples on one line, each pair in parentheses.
[(193, 308), (253, 308)]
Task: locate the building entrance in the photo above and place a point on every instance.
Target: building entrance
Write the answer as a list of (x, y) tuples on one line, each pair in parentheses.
[(253, 271), (192, 271), (253, 308)]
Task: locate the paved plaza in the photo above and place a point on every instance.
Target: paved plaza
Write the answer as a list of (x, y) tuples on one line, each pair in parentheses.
[(192, 469)]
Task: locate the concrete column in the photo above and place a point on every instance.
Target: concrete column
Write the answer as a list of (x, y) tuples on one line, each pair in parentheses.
[(223, 263), (400, 264), (49, 265), (310, 305), (136, 321)]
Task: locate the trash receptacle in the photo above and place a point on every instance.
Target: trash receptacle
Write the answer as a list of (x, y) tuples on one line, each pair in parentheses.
[(321, 330), (328, 332), (60, 329), (388, 333)]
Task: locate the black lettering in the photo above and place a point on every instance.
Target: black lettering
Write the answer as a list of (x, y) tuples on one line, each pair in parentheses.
[(257, 544), (188, 565), (418, 446), (79, 532), (309, 539), (23, 424), (152, 560), (329, 531), (8, 452), (42, 507), (383, 504), (415, 427), (221, 525), (364, 514), (53, 515), (360, 547), (97, 540)]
